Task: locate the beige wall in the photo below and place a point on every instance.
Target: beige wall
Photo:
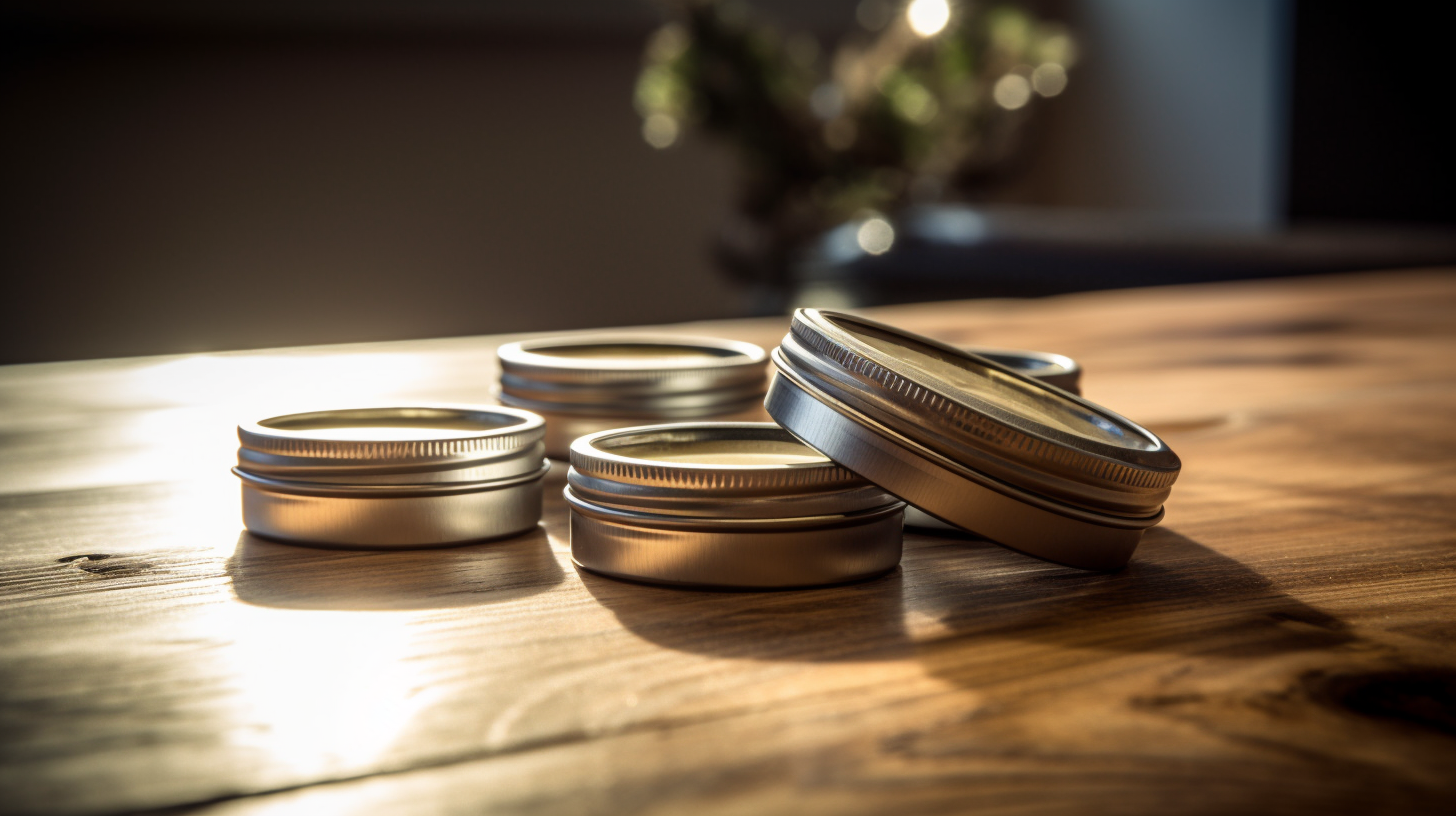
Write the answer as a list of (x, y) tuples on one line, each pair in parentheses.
[(217, 195)]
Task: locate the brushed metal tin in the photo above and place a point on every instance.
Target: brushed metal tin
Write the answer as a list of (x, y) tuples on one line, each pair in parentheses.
[(1062, 496), (722, 525), (446, 486), (577, 384), (393, 517)]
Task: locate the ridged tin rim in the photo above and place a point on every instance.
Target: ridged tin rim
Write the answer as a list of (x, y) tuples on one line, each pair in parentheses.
[(378, 491), (726, 361), (718, 403), (503, 431), (826, 349)]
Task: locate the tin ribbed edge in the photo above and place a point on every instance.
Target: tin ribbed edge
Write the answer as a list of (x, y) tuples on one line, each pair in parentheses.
[(734, 402), (507, 439), (967, 420), (588, 460)]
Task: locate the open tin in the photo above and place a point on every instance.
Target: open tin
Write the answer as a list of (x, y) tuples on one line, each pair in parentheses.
[(737, 505), (972, 442), (395, 477), (583, 384)]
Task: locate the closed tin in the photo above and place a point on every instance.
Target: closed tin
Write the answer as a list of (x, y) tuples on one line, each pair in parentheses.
[(583, 384), (972, 442), (736, 505), (392, 477)]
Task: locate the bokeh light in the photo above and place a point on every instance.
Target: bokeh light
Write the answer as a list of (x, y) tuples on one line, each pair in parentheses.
[(928, 17), (660, 130), (875, 236), (1049, 79), (1012, 91)]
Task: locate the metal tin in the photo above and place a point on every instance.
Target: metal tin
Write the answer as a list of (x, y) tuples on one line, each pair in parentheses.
[(739, 505), (582, 384), (971, 442), (392, 477), (1052, 369)]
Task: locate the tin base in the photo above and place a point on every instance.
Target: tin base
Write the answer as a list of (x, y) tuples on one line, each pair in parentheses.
[(736, 553), (392, 522)]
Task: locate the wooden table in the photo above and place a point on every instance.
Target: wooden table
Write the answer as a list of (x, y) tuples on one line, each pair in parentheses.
[(1284, 643)]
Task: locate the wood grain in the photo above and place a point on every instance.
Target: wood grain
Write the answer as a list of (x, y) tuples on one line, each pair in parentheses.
[(1284, 643)]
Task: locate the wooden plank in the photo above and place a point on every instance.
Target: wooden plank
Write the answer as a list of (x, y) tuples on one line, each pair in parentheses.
[(1285, 642)]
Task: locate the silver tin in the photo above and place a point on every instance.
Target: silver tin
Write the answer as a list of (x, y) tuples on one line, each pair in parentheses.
[(1052, 369), (582, 384), (971, 442), (733, 505), (392, 477)]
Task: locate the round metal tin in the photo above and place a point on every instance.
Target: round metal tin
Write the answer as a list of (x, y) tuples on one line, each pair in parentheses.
[(392, 477), (970, 441), (585, 383), (732, 505)]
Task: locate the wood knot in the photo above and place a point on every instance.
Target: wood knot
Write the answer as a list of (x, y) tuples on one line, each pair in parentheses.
[(101, 564), (1424, 697)]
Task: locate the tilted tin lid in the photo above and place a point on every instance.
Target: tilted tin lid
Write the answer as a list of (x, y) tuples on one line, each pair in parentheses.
[(970, 441)]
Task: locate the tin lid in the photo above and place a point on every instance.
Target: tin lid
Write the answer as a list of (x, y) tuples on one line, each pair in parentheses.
[(716, 470), (641, 364), (393, 445), (945, 429)]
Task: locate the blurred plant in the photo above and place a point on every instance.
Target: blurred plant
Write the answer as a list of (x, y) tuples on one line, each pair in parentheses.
[(923, 103)]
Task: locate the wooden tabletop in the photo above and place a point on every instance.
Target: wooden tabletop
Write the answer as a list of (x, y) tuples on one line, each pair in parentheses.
[(1284, 643)]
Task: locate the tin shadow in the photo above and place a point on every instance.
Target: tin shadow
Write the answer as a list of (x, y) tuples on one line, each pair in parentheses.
[(859, 621), (1177, 596), (269, 573), (954, 599)]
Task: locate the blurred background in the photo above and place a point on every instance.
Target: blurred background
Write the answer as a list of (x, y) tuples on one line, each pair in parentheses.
[(179, 177)]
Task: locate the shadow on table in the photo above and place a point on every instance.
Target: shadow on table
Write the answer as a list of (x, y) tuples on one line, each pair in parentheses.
[(954, 599), (268, 573), (861, 621)]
